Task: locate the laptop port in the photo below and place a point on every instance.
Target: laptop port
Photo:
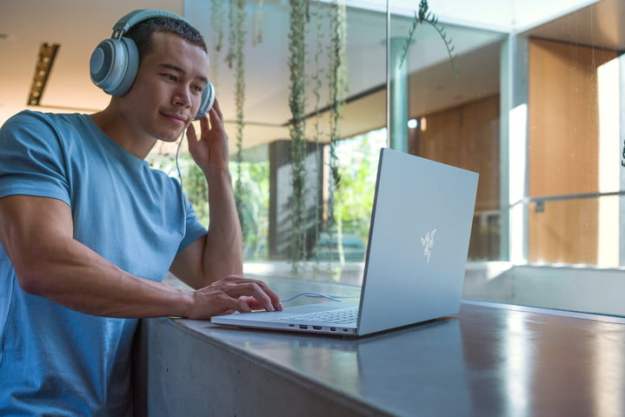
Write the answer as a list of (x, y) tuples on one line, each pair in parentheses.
[(333, 329), (291, 325), (301, 326), (317, 327)]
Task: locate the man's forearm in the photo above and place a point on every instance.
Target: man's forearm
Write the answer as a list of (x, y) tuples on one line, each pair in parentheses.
[(75, 276), (223, 252)]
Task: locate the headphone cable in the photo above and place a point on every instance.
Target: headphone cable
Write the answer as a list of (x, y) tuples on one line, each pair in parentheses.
[(177, 162)]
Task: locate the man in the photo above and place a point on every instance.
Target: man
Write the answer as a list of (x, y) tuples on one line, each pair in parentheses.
[(88, 230)]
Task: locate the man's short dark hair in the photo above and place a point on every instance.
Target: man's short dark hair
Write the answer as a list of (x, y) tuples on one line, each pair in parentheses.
[(142, 32)]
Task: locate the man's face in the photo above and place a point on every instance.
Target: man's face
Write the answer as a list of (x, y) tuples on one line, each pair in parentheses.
[(167, 91)]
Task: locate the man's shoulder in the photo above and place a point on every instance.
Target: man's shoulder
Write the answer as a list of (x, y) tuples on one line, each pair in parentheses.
[(46, 123), (38, 117)]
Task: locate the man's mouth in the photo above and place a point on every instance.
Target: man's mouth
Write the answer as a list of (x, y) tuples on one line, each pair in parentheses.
[(174, 117)]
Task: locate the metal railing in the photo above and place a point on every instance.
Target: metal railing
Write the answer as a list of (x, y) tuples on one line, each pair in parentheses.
[(541, 200)]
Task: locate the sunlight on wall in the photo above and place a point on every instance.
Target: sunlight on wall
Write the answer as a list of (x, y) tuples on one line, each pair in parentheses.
[(609, 162)]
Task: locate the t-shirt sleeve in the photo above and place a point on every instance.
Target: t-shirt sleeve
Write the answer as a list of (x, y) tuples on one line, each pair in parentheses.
[(32, 159), (193, 228)]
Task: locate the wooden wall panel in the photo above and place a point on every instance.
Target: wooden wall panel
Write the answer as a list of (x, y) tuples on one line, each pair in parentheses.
[(466, 136), (563, 149)]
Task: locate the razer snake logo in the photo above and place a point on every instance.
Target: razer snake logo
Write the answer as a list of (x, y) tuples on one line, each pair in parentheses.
[(427, 242)]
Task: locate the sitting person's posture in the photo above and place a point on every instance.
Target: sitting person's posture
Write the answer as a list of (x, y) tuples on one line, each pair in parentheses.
[(88, 229)]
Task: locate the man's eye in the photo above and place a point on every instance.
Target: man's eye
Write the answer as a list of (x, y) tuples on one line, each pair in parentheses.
[(169, 77), (197, 88)]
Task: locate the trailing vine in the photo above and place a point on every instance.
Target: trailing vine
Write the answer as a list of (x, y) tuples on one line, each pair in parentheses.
[(297, 103), (238, 59), (232, 33), (197, 191), (337, 86), (425, 16), (257, 29), (316, 85), (217, 25)]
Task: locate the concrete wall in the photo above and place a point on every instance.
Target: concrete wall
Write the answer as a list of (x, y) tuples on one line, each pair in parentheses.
[(589, 290)]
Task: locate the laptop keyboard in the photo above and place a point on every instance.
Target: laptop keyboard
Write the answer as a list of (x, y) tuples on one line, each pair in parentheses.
[(342, 316)]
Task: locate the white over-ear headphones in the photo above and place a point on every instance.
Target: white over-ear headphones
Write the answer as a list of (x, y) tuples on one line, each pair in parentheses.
[(115, 61)]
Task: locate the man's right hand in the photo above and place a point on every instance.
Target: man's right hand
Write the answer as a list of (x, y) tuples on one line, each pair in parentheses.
[(230, 294)]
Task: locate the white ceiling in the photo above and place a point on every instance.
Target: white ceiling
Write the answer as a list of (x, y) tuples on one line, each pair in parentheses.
[(497, 15), (78, 25), (601, 25)]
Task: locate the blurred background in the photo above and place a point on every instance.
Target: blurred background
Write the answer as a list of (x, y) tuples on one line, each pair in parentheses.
[(527, 93)]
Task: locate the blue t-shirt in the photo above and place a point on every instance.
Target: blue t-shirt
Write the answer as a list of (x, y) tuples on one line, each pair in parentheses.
[(54, 360)]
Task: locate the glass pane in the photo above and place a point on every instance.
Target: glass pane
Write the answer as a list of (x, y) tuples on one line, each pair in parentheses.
[(528, 94), (310, 78), (445, 104), (575, 90)]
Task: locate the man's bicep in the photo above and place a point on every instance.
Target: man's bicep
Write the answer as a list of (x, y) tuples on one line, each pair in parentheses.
[(187, 264), (29, 225)]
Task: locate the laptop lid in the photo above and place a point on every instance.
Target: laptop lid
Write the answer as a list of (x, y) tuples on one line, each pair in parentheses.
[(418, 242)]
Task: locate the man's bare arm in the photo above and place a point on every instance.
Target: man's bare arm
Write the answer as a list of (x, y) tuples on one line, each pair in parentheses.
[(37, 234), (218, 253)]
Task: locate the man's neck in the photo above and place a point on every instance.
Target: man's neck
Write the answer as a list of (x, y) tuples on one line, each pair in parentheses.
[(121, 130)]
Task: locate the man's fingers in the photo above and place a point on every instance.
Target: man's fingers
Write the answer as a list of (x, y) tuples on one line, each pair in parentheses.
[(275, 299), (244, 305), (191, 132), (215, 118), (225, 304), (238, 279), (204, 125), (191, 137), (217, 108), (250, 288)]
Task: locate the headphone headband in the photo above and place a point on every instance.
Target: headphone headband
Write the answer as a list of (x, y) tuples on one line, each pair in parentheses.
[(124, 24)]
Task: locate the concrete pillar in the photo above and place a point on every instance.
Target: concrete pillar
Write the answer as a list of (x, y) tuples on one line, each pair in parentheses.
[(398, 85), (622, 159), (514, 136)]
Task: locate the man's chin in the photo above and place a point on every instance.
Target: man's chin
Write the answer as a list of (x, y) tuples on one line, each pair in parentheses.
[(168, 136), (168, 139)]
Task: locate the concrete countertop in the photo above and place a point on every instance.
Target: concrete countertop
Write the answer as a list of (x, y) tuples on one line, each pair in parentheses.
[(491, 360)]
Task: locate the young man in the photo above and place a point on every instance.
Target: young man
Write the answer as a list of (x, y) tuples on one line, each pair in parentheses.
[(88, 230)]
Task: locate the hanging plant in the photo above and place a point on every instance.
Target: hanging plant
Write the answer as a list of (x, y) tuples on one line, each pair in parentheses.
[(337, 82), (217, 25), (197, 190), (232, 33), (316, 84), (337, 87), (297, 102), (257, 28), (425, 16), (238, 24)]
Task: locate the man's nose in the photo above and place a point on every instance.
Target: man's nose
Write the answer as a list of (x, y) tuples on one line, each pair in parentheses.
[(182, 96)]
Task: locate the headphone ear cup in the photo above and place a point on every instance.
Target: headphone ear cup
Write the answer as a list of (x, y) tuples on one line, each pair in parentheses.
[(208, 99), (114, 64), (130, 67)]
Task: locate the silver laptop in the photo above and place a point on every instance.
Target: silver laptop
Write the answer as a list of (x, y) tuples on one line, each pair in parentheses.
[(416, 256)]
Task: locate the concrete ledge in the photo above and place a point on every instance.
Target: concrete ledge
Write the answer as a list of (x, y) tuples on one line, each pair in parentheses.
[(583, 289), (218, 378)]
